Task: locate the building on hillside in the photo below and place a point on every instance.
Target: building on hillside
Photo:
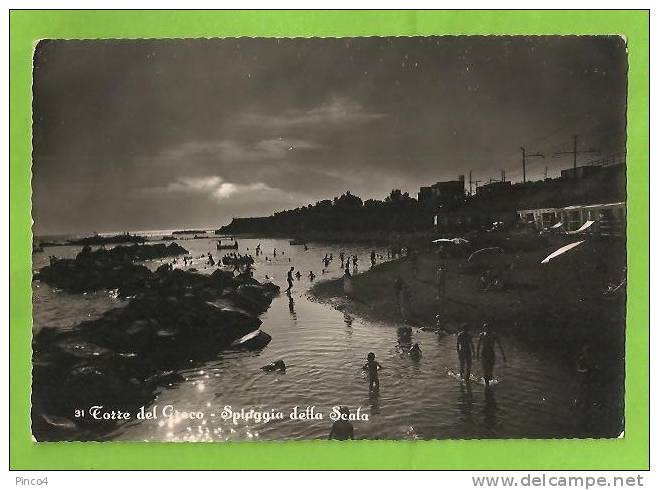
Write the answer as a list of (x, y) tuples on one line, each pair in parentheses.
[(580, 172), (448, 193), (609, 218), (471, 218), (541, 218)]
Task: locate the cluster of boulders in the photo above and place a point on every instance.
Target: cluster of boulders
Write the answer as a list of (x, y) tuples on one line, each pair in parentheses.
[(175, 319), (106, 268)]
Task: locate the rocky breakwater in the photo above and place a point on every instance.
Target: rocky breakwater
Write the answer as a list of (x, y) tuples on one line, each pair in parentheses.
[(113, 268), (175, 319)]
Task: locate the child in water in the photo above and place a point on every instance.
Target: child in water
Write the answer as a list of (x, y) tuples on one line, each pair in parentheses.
[(415, 351), (372, 367), (275, 366)]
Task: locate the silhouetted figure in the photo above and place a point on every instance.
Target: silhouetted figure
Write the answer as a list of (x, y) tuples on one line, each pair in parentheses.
[(347, 283), (275, 366), (415, 352), (486, 342), (398, 286), (372, 367), (405, 303), (289, 279), (441, 280), (465, 349), (414, 262), (342, 429)]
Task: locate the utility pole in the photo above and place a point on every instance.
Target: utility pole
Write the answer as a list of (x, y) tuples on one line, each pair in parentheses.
[(524, 157), (471, 181), (575, 152)]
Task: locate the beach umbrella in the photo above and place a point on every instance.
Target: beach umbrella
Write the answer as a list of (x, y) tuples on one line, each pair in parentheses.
[(454, 241), (561, 251), (485, 251), (583, 228)]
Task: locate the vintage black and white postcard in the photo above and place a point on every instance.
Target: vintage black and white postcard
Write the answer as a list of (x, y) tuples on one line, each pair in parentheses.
[(256, 239)]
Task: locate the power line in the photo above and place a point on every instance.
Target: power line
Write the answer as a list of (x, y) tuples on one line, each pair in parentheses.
[(524, 157), (574, 151)]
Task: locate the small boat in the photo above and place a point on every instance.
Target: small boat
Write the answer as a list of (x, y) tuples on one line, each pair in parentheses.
[(233, 246)]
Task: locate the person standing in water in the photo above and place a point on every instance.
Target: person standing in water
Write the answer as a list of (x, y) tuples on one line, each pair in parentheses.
[(441, 281), (465, 348), (398, 286), (372, 258), (347, 283), (414, 261), (486, 341), (289, 279), (372, 367)]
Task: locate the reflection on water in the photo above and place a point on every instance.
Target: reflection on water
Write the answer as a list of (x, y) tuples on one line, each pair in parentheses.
[(324, 351), (490, 409)]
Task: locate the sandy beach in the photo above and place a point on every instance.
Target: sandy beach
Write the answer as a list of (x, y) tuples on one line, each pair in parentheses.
[(560, 303)]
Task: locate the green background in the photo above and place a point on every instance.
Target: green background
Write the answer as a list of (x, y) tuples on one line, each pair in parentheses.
[(630, 452)]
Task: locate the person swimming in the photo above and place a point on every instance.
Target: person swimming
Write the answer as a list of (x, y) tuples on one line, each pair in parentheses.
[(415, 351), (372, 367), (312, 276), (275, 366)]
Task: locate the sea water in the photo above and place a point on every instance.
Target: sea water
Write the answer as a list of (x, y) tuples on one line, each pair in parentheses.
[(324, 351)]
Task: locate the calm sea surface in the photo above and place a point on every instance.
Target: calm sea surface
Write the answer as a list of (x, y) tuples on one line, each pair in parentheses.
[(324, 350)]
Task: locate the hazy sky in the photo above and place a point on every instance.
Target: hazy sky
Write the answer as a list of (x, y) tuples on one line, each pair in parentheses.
[(153, 134)]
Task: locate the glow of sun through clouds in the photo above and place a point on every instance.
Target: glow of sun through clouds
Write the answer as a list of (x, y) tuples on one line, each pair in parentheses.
[(216, 187)]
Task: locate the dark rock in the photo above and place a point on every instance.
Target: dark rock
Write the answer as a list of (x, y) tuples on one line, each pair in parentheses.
[(107, 240), (174, 318)]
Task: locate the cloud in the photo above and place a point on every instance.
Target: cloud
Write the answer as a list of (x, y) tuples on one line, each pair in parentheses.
[(218, 189), (230, 151), (337, 112), (194, 184)]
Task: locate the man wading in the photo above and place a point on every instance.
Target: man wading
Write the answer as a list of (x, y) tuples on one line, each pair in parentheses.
[(486, 340)]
